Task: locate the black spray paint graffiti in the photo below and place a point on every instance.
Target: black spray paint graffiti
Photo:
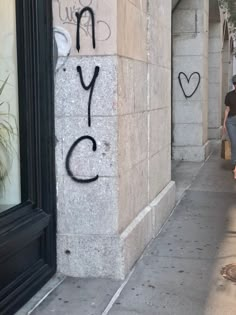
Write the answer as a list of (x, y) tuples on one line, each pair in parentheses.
[(86, 87), (180, 78), (67, 15), (79, 16), (68, 158)]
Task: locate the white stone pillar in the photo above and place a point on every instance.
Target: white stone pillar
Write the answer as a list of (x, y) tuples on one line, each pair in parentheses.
[(215, 80), (190, 103), (104, 225)]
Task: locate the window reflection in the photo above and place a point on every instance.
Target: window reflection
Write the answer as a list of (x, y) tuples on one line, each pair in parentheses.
[(10, 192)]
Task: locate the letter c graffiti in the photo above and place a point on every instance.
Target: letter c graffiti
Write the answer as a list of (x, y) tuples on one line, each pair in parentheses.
[(68, 157)]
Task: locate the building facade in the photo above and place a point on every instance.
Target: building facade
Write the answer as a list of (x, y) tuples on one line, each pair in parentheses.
[(202, 72), (104, 225), (100, 95)]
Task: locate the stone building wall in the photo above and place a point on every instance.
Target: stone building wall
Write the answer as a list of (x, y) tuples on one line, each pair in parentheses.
[(202, 71), (122, 145), (215, 80), (190, 69)]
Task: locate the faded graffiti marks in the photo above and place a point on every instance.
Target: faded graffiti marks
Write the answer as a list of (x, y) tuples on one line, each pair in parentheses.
[(68, 158), (79, 16), (182, 77), (89, 87), (68, 15), (61, 47)]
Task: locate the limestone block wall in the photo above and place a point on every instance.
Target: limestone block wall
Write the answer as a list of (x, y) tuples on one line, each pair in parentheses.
[(215, 80), (159, 101), (113, 157), (87, 212), (132, 109), (190, 80), (144, 121)]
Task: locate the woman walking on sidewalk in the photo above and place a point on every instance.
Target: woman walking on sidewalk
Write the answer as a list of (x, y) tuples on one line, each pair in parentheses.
[(230, 122)]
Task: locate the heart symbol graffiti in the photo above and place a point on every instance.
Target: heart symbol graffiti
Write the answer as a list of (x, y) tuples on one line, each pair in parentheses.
[(180, 78)]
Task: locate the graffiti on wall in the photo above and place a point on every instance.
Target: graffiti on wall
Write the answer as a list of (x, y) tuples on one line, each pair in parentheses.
[(68, 158), (68, 15), (62, 44), (79, 16), (88, 87), (183, 78)]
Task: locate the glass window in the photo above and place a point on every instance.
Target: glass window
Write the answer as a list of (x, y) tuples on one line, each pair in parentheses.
[(10, 188)]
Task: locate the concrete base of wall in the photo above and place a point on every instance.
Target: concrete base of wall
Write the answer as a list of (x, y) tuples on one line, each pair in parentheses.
[(112, 256), (191, 153), (214, 133), (146, 226)]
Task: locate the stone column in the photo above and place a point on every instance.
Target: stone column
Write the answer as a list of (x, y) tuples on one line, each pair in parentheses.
[(215, 81), (105, 224), (190, 69), (159, 109)]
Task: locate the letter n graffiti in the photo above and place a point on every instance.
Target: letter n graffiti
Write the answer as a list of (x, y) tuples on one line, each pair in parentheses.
[(79, 16)]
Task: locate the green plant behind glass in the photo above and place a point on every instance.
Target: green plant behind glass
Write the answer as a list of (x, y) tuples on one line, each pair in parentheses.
[(7, 134)]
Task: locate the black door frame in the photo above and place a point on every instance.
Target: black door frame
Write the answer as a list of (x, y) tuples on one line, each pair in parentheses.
[(33, 222)]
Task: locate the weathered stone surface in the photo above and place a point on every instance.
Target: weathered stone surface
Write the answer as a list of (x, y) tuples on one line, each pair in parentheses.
[(214, 118), (132, 86), (132, 31), (187, 112), (191, 25), (159, 172), (215, 45), (215, 59), (72, 98), (160, 130), (159, 45), (159, 96), (140, 86), (140, 4), (187, 134), (82, 207), (214, 76), (214, 133), (110, 219), (74, 256), (189, 64), (162, 206), (132, 139), (125, 86), (136, 237), (162, 9), (193, 4), (84, 161), (105, 13), (188, 44), (191, 153), (184, 21), (133, 193)]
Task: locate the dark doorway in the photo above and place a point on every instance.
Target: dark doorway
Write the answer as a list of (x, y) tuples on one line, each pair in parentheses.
[(27, 171)]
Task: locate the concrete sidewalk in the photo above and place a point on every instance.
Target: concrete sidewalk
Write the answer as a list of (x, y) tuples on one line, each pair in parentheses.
[(180, 271)]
